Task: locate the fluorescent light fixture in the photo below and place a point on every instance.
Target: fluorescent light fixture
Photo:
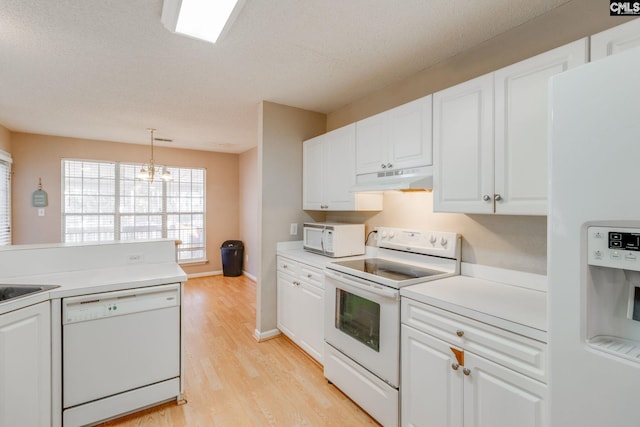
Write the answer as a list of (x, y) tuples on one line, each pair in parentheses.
[(202, 19)]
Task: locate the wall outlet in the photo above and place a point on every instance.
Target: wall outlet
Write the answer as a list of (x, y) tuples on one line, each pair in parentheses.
[(134, 258), (294, 229)]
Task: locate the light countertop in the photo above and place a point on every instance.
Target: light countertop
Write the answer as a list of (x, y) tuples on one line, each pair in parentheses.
[(294, 251), (509, 307), (83, 282)]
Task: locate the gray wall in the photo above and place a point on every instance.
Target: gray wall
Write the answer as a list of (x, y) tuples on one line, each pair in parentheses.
[(248, 209), (281, 132)]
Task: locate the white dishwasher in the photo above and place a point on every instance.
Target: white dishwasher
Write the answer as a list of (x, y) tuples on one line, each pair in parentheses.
[(120, 352)]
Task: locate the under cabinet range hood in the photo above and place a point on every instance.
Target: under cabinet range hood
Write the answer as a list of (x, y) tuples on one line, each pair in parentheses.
[(420, 178)]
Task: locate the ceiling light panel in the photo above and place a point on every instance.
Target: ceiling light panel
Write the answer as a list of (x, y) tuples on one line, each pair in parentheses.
[(202, 19)]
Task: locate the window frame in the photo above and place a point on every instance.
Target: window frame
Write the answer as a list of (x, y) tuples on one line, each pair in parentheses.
[(118, 181)]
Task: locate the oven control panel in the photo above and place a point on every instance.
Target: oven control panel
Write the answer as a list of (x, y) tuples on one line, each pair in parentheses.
[(614, 247), (438, 243)]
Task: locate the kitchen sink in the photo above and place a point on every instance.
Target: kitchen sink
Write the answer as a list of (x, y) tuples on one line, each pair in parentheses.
[(10, 292)]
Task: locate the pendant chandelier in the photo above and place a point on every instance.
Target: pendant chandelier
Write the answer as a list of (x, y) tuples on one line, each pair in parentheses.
[(149, 170)]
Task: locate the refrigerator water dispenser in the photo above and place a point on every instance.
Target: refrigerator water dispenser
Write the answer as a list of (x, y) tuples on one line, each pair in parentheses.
[(613, 291)]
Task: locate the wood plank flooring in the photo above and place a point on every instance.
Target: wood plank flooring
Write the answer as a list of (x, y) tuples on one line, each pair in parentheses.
[(232, 380)]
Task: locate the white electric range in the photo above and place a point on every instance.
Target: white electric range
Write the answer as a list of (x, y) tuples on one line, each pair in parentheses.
[(362, 313)]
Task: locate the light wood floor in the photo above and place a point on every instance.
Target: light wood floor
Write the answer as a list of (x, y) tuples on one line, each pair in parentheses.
[(232, 380)]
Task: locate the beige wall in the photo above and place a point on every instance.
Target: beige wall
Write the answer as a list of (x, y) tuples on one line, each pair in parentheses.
[(5, 139), (281, 130), (248, 199), (572, 21), (513, 242), (37, 156)]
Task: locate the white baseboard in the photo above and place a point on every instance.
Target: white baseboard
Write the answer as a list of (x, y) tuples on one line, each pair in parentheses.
[(263, 336), (217, 273), (204, 274)]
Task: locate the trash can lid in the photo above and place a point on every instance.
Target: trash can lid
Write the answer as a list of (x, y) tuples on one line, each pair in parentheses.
[(232, 244)]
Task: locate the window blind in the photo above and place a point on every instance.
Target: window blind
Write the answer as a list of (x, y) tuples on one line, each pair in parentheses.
[(103, 201), (5, 199)]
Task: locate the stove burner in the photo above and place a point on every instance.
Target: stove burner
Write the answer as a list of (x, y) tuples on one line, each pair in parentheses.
[(391, 270)]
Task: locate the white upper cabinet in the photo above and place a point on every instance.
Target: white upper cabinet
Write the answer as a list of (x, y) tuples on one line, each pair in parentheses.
[(521, 123), (615, 40), (490, 137), (371, 144), (329, 174), (313, 173), (395, 139), (463, 147)]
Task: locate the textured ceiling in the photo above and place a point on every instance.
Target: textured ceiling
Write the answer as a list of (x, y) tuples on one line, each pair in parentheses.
[(108, 69)]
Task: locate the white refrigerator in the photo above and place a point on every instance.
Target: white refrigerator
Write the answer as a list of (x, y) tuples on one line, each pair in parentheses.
[(594, 245)]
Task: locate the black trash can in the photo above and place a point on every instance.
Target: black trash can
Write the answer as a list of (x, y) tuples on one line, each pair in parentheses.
[(232, 256)]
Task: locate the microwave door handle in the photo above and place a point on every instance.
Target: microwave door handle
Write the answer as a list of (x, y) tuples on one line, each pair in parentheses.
[(324, 230), (394, 294)]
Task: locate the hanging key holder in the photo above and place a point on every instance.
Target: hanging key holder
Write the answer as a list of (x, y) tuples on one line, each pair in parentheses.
[(39, 198)]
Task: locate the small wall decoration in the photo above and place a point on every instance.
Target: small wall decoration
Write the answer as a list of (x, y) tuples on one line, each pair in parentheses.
[(39, 198)]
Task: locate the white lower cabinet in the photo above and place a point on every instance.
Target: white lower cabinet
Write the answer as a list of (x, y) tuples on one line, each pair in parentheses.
[(300, 302), (495, 396), (25, 367), (444, 384), (431, 391)]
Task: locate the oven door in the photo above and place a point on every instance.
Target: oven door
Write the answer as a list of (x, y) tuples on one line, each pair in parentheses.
[(362, 320)]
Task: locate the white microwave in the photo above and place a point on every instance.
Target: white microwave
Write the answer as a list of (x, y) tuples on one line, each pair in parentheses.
[(333, 239)]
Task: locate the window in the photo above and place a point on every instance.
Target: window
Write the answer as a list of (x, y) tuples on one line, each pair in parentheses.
[(103, 201), (5, 199)]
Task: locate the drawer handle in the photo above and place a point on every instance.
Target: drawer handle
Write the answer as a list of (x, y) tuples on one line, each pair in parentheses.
[(296, 283), (455, 366), (459, 332), (466, 371), (309, 275), (284, 265)]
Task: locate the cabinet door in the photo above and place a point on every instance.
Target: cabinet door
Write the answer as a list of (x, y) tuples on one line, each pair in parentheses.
[(410, 135), (431, 390), (287, 310), (463, 147), (312, 173), (615, 40), (311, 336), (372, 149), (340, 168), (495, 396), (25, 366), (521, 123)]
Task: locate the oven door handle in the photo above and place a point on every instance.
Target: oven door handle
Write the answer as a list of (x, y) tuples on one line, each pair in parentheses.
[(387, 293)]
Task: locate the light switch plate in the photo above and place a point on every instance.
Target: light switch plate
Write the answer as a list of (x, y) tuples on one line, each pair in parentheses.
[(40, 211), (294, 229)]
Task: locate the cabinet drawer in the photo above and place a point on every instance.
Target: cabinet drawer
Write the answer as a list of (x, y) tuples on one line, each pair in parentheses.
[(312, 275), (288, 266), (522, 354)]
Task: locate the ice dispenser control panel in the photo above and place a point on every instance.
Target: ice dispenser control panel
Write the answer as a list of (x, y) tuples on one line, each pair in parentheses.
[(614, 247)]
